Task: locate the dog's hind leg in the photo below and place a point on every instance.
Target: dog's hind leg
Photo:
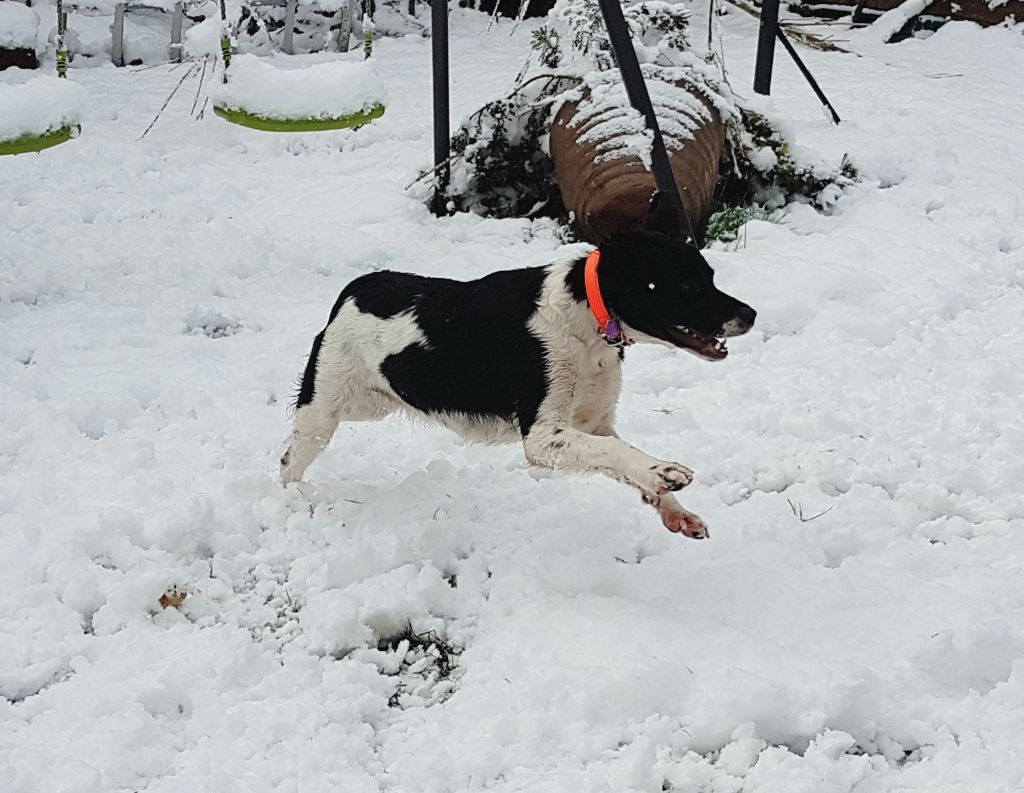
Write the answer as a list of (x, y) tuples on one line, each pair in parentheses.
[(313, 429), (316, 415), (336, 386)]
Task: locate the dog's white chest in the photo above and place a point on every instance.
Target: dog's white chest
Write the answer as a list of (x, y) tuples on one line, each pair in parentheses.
[(597, 387)]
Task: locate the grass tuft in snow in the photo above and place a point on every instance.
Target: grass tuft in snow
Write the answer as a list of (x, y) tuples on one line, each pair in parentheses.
[(727, 224), (427, 667)]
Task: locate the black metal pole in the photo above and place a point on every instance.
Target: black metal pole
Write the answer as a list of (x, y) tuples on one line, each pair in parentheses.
[(439, 50), (807, 75), (673, 214), (766, 46)]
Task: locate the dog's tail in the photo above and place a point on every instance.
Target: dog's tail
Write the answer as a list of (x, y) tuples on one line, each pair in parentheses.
[(304, 386)]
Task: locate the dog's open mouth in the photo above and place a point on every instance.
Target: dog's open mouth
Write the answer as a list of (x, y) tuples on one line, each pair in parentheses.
[(707, 347)]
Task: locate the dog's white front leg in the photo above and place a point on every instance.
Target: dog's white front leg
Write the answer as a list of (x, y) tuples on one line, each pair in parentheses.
[(675, 517), (560, 446)]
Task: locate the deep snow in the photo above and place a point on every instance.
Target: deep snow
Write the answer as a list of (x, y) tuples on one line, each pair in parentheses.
[(157, 300)]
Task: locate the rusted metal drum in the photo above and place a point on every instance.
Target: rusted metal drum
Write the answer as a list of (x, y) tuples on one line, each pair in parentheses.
[(598, 145)]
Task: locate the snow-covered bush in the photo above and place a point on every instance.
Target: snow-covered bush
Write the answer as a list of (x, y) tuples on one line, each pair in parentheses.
[(764, 169), (499, 166)]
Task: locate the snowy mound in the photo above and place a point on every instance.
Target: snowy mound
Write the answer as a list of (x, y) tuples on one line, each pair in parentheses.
[(40, 105), (18, 26), (325, 90)]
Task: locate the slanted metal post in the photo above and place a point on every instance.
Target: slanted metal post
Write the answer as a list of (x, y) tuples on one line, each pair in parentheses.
[(176, 20), (442, 150), (225, 40), (670, 205), (289, 26), (766, 46), (117, 35), (808, 76)]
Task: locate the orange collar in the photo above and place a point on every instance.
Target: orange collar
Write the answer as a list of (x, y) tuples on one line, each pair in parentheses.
[(608, 326)]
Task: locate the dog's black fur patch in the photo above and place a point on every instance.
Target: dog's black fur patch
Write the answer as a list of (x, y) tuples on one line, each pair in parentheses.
[(481, 360)]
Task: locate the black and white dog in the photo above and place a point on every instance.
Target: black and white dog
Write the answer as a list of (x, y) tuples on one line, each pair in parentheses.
[(519, 356)]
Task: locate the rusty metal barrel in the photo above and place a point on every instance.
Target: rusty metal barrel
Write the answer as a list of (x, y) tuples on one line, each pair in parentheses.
[(598, 145)]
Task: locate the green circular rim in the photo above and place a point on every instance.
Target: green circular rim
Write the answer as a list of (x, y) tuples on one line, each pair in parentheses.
[(30, 143), (267, 124)]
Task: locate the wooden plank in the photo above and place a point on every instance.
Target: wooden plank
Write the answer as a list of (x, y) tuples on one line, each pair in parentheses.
[(117, 35), (289, 26), (969, 10), (176, 50), (345, 29)]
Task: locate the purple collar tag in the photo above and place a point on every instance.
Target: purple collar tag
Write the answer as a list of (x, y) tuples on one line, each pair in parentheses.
[(613, 333)]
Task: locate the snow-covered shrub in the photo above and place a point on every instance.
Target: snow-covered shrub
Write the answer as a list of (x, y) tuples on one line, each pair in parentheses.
[(499, 166), (764, 169)]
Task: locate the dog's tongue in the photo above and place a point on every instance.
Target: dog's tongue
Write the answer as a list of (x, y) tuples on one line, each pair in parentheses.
[(704, 346), (714, 349)]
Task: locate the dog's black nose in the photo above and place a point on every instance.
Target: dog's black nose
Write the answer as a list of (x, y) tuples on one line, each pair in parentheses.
[(746, 315)]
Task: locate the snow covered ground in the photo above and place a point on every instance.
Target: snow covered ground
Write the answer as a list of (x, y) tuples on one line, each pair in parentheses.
[(158, 298)]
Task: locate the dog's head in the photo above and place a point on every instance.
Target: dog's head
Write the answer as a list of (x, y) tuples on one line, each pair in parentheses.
[(662, 289)]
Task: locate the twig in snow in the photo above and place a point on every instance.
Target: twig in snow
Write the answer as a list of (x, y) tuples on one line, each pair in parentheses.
[(798, 511), (199, 89), (138, 69), (520, 16), (494, 15), (167, 101)]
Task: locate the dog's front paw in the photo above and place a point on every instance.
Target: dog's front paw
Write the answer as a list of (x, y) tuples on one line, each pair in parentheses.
[(670, 476), (677, 519), (686, 523)]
